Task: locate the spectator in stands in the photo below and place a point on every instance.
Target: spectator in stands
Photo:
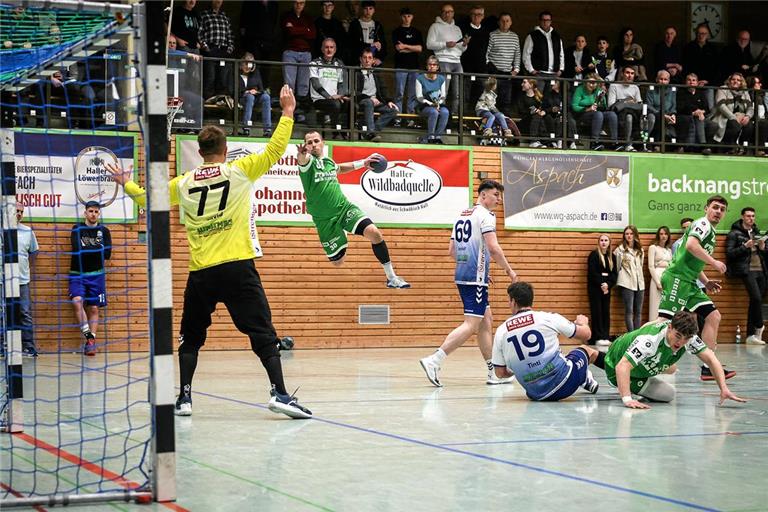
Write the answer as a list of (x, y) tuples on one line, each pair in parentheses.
[(733, 113), (372, 97), (543, 54), (477, 27), (630, 54), (669, 56), (624, 99), (487, 110), (503, 58), (760, 99), (328, 88), (692, 113), (578, 59), (604, 65), (430, 96), (445, 39), (602, 272), (737, 56), (589, 108), (365, 32), (630, 257), (659, 256), (299, 34), (329, 26), (408, 44), (353, 13), (28, 248), (186, 26), (253, 91), (700, 57), (173, 48), (531, 111), (653, 100), (552, 104), (258, 32), (216, 41)]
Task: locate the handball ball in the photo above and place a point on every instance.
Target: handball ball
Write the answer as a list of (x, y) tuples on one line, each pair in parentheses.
[(286, 343), (379, 164)]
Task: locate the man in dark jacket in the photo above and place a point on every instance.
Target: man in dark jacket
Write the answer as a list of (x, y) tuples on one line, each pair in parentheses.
[(365, 32), (747, 259), (372, 98)]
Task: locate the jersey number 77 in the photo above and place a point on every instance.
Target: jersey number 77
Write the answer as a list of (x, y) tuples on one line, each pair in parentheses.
[(203, 191)]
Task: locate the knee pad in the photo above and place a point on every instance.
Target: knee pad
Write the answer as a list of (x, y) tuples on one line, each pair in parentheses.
[(267, 351), (658, 390)]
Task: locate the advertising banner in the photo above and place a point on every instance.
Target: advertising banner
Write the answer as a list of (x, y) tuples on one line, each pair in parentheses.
[(565, 191), (57, 172), (420, 187), (666, 189)]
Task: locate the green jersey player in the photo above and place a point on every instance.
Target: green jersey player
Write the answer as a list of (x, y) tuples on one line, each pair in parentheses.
[(636, 358), (333, 214), (679, 288)]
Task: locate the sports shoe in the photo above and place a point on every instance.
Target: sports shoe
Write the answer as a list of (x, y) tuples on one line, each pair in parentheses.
[(397, 282), (183, 405), (493, 380), (706, 373), (29, 352), (488, 132), (597, 146), (288, 405), (603, 343), (508, 133), (535, 144), (591, 384), (431, 368), (573, 146), (89, 348), (754, 340), (629, 148)]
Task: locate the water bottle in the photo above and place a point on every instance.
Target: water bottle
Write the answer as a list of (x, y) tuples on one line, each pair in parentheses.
[(738, 334)]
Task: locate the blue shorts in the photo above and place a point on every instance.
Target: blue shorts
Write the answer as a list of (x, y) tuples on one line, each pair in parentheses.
[(579, 365), (475, 299), (91, 287)]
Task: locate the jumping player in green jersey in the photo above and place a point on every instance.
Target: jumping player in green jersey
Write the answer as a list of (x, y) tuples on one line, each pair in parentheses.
[(679, 288), (636, 358), (217, 199), (333, 214)]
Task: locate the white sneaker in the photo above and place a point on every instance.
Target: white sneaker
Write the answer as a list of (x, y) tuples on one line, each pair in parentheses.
[(754, 340), (603, 343), (630, 148), (183, 405), (288, 405), (558, 144), (535, 144), (573, 146), (431, 368), (397, 282), (493, 380), (759, 333), (591, 384)]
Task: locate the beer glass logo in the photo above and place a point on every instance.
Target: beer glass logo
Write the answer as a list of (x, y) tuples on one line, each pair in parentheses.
[(92, 180)]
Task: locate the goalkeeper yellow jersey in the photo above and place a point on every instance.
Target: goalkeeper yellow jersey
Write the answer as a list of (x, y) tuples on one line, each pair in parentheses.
[(217, 200)]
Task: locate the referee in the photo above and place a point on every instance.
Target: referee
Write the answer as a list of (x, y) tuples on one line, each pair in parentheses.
[(216, 198)]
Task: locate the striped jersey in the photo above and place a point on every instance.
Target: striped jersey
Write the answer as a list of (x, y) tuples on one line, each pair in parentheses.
[(472, 255), (503, 50)]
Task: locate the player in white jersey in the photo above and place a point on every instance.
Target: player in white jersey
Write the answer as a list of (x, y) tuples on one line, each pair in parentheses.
[(526, 345), (473, 244)]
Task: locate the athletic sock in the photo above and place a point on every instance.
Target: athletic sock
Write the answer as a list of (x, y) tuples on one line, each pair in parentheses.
[(439, 356), (489, 364), (85, 328), (187, 365), (274, 369), (389, 270), (600, 360)]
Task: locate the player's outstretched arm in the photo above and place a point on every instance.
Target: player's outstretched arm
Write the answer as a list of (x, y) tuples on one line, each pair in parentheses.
[(123, 178), (357, 164), (622, 381), (711, 360)]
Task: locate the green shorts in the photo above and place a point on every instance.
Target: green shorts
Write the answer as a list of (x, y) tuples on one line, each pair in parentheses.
[(635, 384), (333, 231), (680, 294)]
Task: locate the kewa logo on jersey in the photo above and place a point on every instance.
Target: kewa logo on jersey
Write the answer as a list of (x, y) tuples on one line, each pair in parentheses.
[(516, 322), (403, 183), (204, 173)]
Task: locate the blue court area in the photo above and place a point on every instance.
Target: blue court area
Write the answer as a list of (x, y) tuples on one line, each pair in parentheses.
[(384, 439)]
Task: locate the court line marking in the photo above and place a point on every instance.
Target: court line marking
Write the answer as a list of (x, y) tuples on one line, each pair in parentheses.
[(89, 466), (481, 456), (19, 495), (608, 438)]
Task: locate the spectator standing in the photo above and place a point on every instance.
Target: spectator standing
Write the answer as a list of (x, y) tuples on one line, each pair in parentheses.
[(372, 97), (629, 53), (258, 32), (543, 54), (624, 99), (430, 96), (700, 57), (653, 99), (328, 88), (28, 248), (589, 108), (747, 259), (186, 26), (578, 59), (216, 41), (91, 247), (737, 56), (253, 91), (604, 64), (503, 58), (755, 84), (365, 32), (531, 111), (692, 112), (299, 33), (659, 256), (630, 257), (478, 29), (329, 26), (409, 44), (445, 39), (669, 56), (734, 112), (601, 277)]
